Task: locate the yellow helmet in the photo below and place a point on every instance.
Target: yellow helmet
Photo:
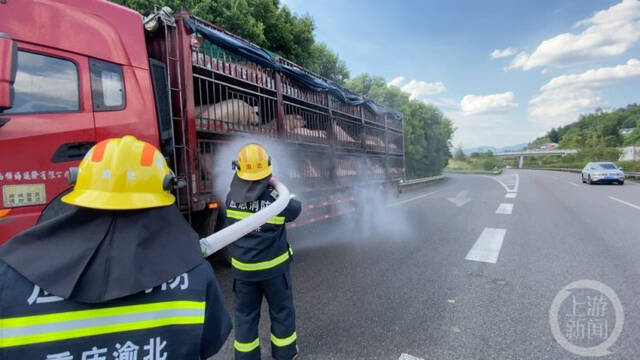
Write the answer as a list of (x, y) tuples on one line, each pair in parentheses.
[(121, 174), (253, 163)]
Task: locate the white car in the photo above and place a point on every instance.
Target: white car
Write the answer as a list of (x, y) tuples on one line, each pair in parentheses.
[(602, 172)]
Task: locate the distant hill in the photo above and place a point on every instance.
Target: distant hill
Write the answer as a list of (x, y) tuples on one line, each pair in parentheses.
[(495, 149), (599, 129)]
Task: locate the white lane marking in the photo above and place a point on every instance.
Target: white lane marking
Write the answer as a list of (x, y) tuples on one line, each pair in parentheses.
[(624, 202), (505, 209), (460, 199), (487, 247), (412, 199), (511, 195), (572, 183), (506, 188), (404, 356)]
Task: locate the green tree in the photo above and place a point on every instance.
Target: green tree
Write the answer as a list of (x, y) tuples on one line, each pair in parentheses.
[(427, 132), (327, 63), (598, 129), (265, 23), (459, 154)]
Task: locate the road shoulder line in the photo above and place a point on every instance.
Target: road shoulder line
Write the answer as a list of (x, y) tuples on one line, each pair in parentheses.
[(505, 209), (625, 202)]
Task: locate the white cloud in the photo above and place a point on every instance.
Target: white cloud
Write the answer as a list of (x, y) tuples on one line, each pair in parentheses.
[(444, 102), (396, 81), (497, 53), (596, 77), (563, 98), (478, 104), (419, 89), (608, 33)]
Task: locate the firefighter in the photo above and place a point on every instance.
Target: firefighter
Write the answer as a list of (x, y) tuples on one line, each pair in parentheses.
[(119, 277), (261, 259)]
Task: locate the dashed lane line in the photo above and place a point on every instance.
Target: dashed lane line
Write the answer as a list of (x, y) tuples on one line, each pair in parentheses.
[(572, 183), (487, 247), (511, 195), (404, 356), (625, 202), (505, 209)]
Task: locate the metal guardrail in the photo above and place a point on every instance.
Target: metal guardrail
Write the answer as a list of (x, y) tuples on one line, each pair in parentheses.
[(556, 169), (484, 172), (406, 184), (627, 174), (537, 152)]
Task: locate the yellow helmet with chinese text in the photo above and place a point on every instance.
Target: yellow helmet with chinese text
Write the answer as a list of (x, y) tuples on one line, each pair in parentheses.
[(121, 174), (253, 163)]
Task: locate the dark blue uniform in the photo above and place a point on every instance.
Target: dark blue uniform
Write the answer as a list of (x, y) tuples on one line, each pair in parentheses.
[(261, 263), (184, 318)]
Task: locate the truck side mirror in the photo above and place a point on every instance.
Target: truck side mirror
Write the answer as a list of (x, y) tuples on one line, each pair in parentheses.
[(8, 70)]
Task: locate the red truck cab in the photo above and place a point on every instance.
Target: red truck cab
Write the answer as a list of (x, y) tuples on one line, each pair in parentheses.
[(81, 75)]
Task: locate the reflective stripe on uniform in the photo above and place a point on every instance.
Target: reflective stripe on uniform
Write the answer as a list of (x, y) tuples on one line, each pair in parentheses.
[(263, 265), (246, 347), (282, 342), (239, 215), (76, 324)]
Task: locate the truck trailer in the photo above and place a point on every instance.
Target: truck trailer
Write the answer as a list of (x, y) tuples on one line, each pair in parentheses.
[(76, 72)]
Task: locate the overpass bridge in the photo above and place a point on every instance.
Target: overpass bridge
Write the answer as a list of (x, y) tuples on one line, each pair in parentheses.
[(523, 153)]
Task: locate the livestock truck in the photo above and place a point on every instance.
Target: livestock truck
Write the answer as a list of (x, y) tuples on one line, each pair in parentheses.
[(75, 72)]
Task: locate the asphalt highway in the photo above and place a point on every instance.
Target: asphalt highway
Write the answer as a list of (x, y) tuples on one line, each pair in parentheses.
[(468, 268)]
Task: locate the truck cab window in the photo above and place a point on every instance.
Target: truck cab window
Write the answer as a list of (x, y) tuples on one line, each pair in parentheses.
[(44, 84), (107, 87)]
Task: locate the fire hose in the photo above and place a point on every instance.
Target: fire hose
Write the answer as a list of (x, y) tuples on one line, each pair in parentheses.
[(226, 236)]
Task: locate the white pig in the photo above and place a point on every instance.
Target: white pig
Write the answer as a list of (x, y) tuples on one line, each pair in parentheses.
[(341, 134), (293, 121), (373, 141), (306, 132), (231, 111)]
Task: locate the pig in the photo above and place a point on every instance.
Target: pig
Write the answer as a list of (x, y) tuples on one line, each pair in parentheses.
[(371, 140), (291, 123), (340, 134), (230, 111), (294, 121), (306, 132)]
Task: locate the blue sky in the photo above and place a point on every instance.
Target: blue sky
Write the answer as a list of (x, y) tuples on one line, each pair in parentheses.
[(552, 60)]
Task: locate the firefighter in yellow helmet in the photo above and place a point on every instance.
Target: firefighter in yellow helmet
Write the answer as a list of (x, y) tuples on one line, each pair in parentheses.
[(261, 259), (120, 275)]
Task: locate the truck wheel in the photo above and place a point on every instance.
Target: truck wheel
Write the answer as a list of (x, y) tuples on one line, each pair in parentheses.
[(56, 208)]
